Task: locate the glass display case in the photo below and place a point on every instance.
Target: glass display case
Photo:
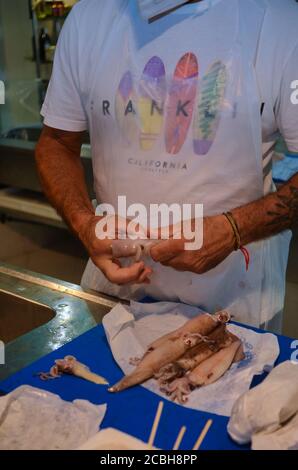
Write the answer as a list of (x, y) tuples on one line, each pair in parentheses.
[(27, 46)]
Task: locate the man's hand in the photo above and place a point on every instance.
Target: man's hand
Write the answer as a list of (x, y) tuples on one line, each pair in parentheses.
[(100, 251), (257, 220), (218, 243), (62, 177)]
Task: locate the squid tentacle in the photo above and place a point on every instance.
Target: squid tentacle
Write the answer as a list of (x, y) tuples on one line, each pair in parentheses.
[(192, 339), (178, 390)]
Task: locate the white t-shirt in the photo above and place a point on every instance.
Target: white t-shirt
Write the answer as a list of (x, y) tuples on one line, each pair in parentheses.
[(93, 54), (92, 20)]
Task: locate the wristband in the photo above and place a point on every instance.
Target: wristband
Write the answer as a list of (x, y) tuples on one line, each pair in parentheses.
[(238, 245)]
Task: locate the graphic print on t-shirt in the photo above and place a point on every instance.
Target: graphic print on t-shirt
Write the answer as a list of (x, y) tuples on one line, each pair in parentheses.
[(125, 109), (180, 102), (146, 110), (209, 105), (152, 93)]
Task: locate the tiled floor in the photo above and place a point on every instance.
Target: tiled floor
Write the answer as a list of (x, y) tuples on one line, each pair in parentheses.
[(57, 253)]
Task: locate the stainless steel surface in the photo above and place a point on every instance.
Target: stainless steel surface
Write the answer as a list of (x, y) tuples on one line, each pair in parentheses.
[(19, 316), (30, 206), (73, 315), (17, 165), (55, 284)]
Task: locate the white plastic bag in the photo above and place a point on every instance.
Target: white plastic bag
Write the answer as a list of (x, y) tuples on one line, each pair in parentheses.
[(33, 419), (285, 438), (266, 413)]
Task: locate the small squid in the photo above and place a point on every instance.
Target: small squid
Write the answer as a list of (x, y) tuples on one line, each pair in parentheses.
[(171, 347), (208, 372), (69, 365)]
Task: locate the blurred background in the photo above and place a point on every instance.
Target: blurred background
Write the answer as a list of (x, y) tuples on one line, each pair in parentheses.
[(32, 235)]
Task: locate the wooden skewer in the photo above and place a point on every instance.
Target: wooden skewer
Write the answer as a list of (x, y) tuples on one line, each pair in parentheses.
[(179, 438), (202, 435), (155, 424)]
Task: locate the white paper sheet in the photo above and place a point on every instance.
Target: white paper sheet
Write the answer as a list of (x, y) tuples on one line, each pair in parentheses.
[(112, 439), (33, 419), (130, 329)]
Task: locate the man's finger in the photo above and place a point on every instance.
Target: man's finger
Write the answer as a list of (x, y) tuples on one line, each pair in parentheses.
[(144, 277), (119, 275)]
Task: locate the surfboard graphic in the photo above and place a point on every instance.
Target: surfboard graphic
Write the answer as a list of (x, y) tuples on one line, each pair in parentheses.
[(209, 106), (181, 102), (152, 92), (125, 109)]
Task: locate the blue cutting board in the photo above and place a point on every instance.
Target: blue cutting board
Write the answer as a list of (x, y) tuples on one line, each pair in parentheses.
[(132, 410)]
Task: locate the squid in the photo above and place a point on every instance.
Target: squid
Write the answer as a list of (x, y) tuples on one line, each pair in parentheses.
[(132, 248), (207, 372), (202, 351), (191, 326), (218, 338), (171, 347), (198, 354), (69, 365)]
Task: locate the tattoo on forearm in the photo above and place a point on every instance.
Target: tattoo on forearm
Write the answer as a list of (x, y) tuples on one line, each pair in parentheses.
[(284, 214)]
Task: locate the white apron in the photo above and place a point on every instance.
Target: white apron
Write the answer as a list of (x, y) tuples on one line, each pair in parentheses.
[(204, 147)]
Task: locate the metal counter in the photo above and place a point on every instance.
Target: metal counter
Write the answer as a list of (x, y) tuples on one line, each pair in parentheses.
[(17, 165), (48, 313)]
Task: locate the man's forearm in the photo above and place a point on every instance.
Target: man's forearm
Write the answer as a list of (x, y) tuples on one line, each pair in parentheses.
[(270, 215), (62, 176)]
